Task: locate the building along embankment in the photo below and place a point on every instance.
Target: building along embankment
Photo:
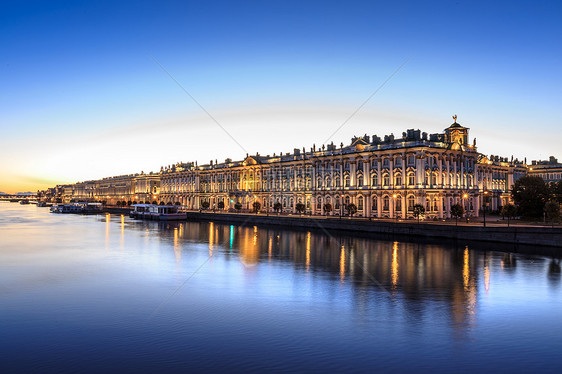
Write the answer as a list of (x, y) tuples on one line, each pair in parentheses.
[(527, 235)]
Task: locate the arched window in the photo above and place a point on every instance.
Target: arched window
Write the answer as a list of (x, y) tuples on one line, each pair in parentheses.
[(318, 203), (398, 204), (346, 181), (374, 181), (338, 183), (386, 203), (411, 203), (360, 203), (374, 205), (427, 205), (337, 202), (433, 178), (347, 200), (385, 180), (398, 180), (411, 179), (360, 181)]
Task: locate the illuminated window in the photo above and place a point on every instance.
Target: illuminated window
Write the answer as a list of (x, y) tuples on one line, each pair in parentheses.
[(411, 179)]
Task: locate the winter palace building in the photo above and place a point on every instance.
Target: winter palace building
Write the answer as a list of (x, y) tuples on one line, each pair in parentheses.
[(384, 178)]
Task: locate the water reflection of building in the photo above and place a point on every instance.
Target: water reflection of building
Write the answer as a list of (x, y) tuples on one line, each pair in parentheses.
[(416, 272)]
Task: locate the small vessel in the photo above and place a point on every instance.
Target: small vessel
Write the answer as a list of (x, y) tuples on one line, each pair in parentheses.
[(79, 208), (158, 212), (24, 202)]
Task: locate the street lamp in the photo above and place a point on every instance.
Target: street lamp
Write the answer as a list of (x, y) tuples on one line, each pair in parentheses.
[(484, 206), (394, 210), (465, 197)]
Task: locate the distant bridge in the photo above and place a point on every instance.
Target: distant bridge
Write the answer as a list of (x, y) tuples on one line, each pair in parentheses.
[(17, 197)]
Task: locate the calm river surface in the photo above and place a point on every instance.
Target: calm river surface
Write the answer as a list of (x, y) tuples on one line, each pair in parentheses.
[(110, 294)]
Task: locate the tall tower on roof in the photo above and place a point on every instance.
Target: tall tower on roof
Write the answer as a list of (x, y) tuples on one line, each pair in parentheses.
[(456, 134)]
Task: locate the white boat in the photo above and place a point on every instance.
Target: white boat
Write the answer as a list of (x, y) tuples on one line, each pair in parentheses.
[(158, 212)]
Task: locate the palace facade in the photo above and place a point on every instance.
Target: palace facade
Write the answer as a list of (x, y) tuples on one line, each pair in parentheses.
[(384, 177)]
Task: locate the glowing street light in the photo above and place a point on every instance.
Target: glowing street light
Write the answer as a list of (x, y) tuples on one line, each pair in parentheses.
[(484, 206), (395, 214)]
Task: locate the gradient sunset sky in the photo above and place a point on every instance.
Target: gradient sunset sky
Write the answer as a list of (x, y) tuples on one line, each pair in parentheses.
[(82, 96)]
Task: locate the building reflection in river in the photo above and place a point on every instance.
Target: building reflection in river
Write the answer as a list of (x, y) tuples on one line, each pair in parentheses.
[(408, 272)]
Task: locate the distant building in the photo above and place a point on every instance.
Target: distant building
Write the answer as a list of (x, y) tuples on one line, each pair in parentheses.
[(550, 171)]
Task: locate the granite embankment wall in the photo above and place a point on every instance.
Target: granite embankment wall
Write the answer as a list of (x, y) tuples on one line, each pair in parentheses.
[(543, 236)]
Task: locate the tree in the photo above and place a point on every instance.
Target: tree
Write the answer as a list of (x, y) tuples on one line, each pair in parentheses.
[(220, 205), (129, 203), (556, 191), (238, 206), (205, 204), (457, 211), (300, 208), (418, 211), (154, 202), (277, 207), (257, 206), (327, 208), (509, 211), (177, 203), (530, 195), (351, 209), (552, 210)]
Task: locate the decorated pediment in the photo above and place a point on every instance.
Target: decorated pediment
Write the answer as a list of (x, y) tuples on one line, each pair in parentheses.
[(359, 144), (251, 161)]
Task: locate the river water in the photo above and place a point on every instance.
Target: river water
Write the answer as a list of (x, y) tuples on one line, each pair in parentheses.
[(105, 293)]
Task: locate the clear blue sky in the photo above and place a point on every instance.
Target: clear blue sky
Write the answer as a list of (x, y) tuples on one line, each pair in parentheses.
[(81, 97)]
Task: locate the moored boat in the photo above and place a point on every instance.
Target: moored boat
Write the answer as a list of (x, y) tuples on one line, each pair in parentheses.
[(158, 212), (80, 208)]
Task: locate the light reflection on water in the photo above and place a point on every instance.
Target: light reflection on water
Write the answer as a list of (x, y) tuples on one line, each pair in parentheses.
[(107, 293)]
